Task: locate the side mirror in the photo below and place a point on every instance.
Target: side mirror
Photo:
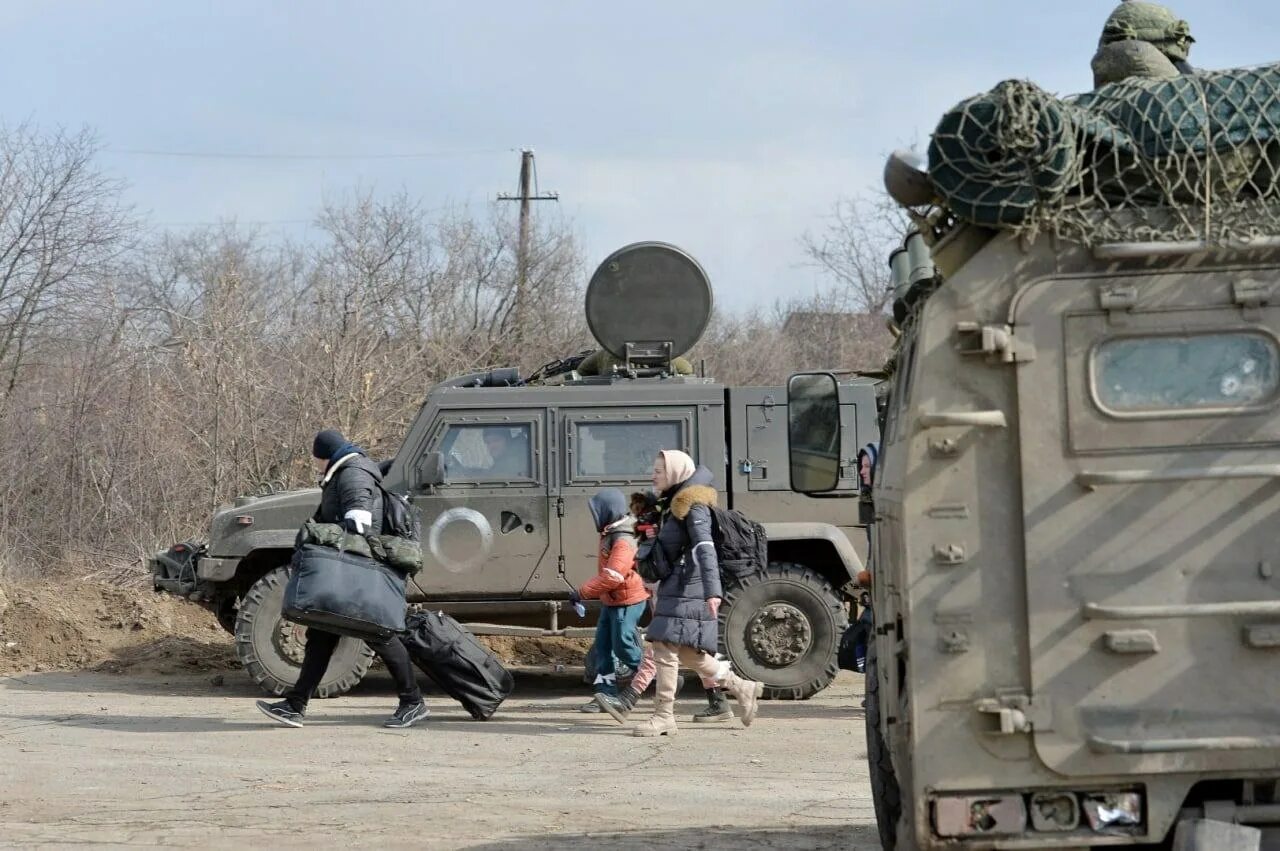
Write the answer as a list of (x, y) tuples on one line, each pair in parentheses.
[(432, 470), (813, 432)]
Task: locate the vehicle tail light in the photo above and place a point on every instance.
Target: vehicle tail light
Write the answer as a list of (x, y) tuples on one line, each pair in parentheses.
[(979, 815)]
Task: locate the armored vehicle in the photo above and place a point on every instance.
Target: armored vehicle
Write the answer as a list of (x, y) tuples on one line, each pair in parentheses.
[(501, 469), (1074, 549)]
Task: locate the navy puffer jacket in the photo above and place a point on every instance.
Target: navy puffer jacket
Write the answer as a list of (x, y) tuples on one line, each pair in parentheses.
[(686, 559)]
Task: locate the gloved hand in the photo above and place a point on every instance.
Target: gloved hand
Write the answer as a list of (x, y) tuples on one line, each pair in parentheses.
[(575, 596), (349, 524), (575, 600)]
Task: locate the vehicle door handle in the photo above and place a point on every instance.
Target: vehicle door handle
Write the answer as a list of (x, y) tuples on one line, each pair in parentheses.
[(975, 419), (510, 522)]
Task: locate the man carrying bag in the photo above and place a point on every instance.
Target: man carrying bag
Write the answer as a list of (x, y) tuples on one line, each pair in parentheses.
[(351, 496)]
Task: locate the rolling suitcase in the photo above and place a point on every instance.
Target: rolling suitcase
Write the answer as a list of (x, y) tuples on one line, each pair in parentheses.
[(458, 663)]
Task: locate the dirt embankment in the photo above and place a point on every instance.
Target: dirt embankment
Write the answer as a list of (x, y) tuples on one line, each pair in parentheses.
[(83, 624)]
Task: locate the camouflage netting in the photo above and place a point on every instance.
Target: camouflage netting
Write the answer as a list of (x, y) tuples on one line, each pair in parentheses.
[(1195, 156)]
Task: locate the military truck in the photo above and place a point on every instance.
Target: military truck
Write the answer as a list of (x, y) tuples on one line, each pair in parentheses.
[(501, 469), (1074, 547)]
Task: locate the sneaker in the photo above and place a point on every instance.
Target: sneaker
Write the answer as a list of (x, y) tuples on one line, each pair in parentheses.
[(591, 707), (407, 714), (281, 712)]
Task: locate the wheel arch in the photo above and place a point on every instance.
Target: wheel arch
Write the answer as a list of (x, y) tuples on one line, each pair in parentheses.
[(821, 547), (257, 564)]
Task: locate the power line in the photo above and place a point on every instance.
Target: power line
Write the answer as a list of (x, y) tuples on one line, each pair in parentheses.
[(232, 155), (234, 221)]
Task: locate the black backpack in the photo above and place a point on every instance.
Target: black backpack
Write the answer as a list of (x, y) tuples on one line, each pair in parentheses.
[(742, 547), (399, 517)]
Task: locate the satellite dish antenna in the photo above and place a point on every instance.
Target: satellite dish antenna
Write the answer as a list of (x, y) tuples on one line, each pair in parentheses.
[(648, 303)]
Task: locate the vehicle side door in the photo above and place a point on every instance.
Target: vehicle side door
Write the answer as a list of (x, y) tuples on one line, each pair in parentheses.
[(487, 528), (610, 447)]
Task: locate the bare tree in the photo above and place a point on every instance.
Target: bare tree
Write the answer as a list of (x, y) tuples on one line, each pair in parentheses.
[(61, 226), (853, 249)]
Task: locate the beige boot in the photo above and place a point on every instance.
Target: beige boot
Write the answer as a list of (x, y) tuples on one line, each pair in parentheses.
[(747, 693), (663, 721)]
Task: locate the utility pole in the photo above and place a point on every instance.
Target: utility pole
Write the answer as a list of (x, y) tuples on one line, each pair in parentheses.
[(528, 193)]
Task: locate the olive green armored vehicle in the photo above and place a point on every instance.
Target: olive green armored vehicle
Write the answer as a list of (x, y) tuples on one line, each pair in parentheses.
[(1076, 538), (501, 469)]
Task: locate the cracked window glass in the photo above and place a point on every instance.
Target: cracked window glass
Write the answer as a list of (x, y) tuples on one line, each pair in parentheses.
[(1185, 373)]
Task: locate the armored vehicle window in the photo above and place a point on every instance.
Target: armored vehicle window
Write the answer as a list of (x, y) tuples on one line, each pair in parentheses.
[(1158, 374), (622, 450), (488, 452)]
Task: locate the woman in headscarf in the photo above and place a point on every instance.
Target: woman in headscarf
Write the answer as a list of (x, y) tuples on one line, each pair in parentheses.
[(684, 629)]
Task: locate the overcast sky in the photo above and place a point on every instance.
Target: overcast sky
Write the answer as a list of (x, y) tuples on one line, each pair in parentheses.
[(728, 128)]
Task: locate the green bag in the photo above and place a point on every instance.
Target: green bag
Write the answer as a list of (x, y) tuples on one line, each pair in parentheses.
[(401, 553)]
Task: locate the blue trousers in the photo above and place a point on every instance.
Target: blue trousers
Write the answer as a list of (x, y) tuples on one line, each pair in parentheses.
[(616, 636)]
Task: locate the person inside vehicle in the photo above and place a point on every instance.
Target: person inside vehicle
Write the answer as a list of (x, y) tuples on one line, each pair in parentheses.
[(684, 629), (509, 457), (350, 497)]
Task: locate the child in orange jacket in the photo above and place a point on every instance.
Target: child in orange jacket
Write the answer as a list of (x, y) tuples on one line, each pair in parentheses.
[(618, 587)]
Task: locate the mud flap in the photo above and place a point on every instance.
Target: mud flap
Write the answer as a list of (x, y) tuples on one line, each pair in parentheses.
[(1205, 835)]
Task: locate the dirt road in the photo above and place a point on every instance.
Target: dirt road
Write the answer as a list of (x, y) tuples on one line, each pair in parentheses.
[(111, 760)]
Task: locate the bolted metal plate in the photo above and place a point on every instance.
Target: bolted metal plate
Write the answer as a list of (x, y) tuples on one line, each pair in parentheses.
[(648, 292)]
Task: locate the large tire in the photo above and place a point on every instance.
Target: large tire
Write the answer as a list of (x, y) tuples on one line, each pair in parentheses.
[(885, 793), (783, 630), (270, 648)]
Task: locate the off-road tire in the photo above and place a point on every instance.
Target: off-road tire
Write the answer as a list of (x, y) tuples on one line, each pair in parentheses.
[(885, 793), (800, 590), (258, 623)]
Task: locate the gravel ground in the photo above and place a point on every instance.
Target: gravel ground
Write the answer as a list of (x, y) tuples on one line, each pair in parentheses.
[(186, 760)]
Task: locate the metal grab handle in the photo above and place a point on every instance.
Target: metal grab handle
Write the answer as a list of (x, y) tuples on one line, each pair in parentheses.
[(977, 419), (1096, 611), (1098, 744), (1093, 478)]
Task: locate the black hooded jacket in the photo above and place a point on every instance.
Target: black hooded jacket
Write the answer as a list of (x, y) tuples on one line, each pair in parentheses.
[(351, 483)]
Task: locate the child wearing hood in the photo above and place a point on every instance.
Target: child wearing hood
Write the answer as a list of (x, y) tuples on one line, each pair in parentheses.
[(618, 587)]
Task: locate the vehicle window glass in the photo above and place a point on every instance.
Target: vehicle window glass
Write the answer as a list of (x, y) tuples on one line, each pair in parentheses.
[(622, 450), (487, 452), (1185, 373)]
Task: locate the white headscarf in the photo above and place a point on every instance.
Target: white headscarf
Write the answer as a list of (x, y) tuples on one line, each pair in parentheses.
[(679, 468)]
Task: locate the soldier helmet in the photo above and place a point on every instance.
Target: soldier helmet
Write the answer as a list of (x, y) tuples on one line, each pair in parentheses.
[(1150, 22)]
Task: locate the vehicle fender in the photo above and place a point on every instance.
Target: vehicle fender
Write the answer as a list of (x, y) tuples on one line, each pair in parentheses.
[(801, 531), (243, 543)]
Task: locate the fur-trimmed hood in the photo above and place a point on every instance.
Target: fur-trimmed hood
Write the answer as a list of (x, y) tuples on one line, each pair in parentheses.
[(696, 491)]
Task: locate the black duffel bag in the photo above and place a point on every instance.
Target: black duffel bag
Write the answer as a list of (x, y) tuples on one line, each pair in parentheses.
[(457, 662), (345, 593)]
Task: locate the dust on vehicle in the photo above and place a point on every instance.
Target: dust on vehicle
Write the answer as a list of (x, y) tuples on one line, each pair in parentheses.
[(501, 468), (1074, 549)]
